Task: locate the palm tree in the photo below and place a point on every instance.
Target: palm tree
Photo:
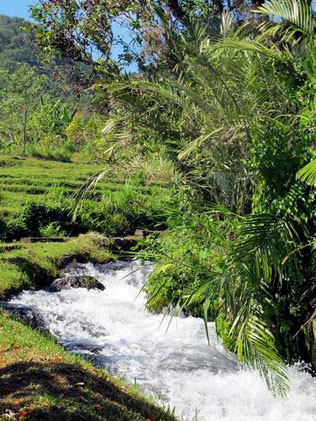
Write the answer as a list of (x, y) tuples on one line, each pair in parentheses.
[(238, 105)]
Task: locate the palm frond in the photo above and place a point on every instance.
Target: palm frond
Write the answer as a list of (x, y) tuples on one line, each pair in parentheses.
[(253, 46), (296, 12), (196, 143), (266, 240), (227, 24), (308, 173), (256, 348), (89, 185)]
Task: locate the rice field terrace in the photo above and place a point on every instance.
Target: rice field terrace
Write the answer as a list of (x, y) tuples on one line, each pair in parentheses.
[(37, 202), (38, 198), (27, 179)]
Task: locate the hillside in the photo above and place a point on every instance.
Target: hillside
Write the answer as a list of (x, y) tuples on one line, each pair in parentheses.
[(17, 46)]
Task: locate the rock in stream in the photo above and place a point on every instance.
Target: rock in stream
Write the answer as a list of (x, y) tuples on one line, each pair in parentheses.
[(75, 281)]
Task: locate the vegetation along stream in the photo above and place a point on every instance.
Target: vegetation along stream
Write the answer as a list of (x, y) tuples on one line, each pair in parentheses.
[(178, 132), (113, 328)]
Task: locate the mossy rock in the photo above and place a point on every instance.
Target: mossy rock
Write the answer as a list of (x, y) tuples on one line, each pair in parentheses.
[(75, 281)]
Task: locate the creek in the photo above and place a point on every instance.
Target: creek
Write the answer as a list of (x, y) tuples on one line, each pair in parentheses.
[(171, 360)]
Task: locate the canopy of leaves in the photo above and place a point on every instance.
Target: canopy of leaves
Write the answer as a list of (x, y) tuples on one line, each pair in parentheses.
[(84, 30)]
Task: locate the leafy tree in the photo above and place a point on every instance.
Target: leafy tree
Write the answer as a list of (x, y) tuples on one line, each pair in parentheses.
[(20, 94), (83, 30), (50, 118), (242, 125)]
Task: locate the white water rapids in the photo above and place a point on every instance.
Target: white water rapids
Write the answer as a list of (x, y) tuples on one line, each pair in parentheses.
[(201, 382)]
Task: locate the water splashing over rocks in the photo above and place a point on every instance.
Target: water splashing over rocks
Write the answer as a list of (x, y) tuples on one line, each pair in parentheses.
[(113, 328)]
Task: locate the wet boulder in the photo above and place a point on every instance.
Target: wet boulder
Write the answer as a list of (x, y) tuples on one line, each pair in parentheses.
[(75, 281), (28, 315)]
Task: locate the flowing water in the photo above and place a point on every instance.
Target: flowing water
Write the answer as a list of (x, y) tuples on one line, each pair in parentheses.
[(113, 328)]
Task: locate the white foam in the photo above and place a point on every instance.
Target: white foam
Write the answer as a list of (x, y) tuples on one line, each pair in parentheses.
[(115, 329)]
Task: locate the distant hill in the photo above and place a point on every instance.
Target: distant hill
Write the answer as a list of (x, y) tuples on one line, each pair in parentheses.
[(17, 45)]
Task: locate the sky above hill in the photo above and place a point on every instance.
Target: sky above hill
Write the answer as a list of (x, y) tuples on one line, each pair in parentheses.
[(20, 8), (15, 7)]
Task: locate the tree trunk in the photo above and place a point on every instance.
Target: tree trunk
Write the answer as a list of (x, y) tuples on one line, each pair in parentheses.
[(24, 132)]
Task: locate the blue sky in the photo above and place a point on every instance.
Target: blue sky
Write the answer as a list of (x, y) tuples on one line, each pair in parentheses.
[(20, 8), (15, 7)]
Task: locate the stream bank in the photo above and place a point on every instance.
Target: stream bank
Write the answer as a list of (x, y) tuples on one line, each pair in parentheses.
[(39, 379), (34, 265), (113, 329)]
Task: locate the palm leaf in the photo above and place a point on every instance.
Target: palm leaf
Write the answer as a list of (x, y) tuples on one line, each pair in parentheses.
[(297, 12), (227, 24), (264, 241), (308, 173), (256, 347), (196, 144), (245, 45)]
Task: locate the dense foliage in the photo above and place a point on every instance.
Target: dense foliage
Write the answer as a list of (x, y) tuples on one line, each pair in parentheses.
[(237, 118), (38, 100), (85, 30), (226, 113)]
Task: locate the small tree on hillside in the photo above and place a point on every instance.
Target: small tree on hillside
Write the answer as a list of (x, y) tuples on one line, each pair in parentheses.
[(19, 96)]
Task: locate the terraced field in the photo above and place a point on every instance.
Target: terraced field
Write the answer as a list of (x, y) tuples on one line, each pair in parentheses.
[(37, 197), (27, 179)]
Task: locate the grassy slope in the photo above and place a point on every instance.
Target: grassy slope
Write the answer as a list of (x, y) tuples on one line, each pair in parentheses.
[(39, 380), (36, 194), (33, 265), (23, 179)]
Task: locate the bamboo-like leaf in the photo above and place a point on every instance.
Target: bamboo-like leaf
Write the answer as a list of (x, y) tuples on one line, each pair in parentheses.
[(308, 173), (297, 12), (197, 143)]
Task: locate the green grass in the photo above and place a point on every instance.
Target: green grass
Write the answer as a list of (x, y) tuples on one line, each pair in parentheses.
[(40, 381), (34, 265), (119, 203), (36, 199), (26, 179)]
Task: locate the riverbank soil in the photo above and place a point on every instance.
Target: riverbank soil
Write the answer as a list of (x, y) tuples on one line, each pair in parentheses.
[(35, 265)]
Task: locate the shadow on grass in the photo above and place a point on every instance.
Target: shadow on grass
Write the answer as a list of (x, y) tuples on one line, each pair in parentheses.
[(60, 391)]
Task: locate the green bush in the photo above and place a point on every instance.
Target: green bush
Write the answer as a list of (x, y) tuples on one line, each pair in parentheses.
[(36, 216), (52, 230)]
